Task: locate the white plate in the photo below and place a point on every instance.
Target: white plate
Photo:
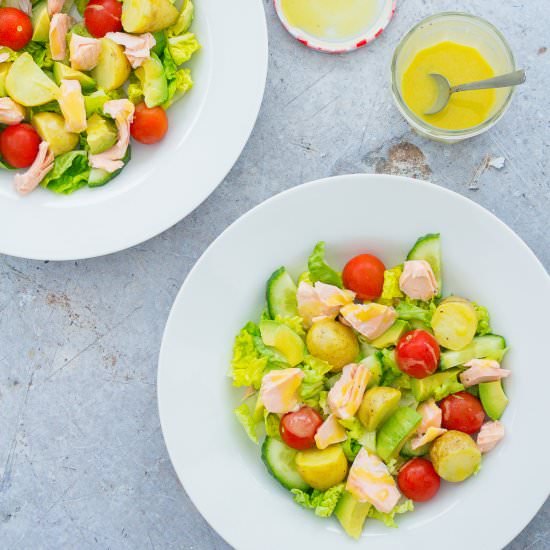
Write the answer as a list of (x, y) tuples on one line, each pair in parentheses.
[(164, 182), (483, 259)]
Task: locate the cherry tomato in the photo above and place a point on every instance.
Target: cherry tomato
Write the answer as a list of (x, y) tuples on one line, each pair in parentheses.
[(103, 16), (150, 124), (418, 480), (15, 28), (298, 428), (19, 145), (364, 274), (463, 412), (417, 353)]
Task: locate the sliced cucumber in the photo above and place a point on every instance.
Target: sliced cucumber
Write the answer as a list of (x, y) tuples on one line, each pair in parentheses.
[(395, 431), (489, 346), (281, 294), (280, 462), (428, 248)]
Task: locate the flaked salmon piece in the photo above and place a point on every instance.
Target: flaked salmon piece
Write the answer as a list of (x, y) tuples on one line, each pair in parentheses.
[(482, 370), (430, 426), (55, 6), (369, 480), (59, 27), (122, 110), (370, 320), (71, 102), (279, 390), (321, 301), (418, 280), (344, 398), (137, 47), (84, 52), (10, 112), (329, 433), (489, 436), (42, 164)]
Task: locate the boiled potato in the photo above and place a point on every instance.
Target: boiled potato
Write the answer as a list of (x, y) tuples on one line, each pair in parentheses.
[(377, 406), (454, 323), (455, 456), (148, 15), (333, 342), (113, 68), (51, 128), (322, 469)]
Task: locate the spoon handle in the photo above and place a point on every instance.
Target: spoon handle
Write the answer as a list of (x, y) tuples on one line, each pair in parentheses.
[(503, 81)]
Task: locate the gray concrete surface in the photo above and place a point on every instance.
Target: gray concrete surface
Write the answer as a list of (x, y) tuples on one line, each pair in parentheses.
[(82, 460)]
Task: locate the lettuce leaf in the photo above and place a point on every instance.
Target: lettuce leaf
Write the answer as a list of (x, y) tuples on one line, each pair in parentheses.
[(184, 20), (389, 519), (358, 437), (391, 289), (448, 387), (69, 173), (247, 365), (295, 323), (179, 80), (271, 422), (12, 55), (323, 502), (314, 380), (40, 53), (415, 310), (244, 416), (319, 270), (81, 6), (183, 47), (483, 320)]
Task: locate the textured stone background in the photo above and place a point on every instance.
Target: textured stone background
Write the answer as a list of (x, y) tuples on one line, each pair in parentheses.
[(82, 460)]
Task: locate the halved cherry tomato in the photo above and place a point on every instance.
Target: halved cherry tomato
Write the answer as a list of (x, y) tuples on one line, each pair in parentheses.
[(417, 353), (298, 428), (463, 412), (15, 28), (103, 16), (19, 145), (364, 274), (418, 480), (150, 124)]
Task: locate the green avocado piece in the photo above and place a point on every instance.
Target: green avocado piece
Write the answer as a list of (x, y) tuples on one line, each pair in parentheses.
[(391, 336), (153, 81), (40, 22), (493, 399), (101, 134), (395, 432), (424, 388), (351, 514), (94, 102), (64, 72)]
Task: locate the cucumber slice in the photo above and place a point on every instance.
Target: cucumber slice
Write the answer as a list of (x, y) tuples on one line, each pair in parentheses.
[(351, 514), (393, 434), (280, 462), (482, 347), (281, 294), (428, 248), (99, 177)]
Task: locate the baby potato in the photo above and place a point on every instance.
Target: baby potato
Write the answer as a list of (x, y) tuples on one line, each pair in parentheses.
[(455, 456), (333, 342), (454, 323), (322, 469), (377, 406)]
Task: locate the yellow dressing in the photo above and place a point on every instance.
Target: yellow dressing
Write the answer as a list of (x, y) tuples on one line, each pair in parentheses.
[(459, 64), (330, 19)]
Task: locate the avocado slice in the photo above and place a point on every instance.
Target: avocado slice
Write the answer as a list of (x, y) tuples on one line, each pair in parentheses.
[(351, 514), (40, 22), (51, 128), (101, 134), (284, 340), (493, 399), (153, 80), (4, 68), (395, 432), (391, 336), (424, 388), (64, 72), (94, 102)]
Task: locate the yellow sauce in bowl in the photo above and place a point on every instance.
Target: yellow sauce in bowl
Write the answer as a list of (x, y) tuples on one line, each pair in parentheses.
[(459, 64), (330, 19)]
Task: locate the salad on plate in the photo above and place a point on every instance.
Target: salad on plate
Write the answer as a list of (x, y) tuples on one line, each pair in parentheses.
[(74, 90), (369, 387)]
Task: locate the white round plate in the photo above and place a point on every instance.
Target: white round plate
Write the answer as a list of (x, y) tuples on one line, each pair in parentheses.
[(484, 260), (162, 183)]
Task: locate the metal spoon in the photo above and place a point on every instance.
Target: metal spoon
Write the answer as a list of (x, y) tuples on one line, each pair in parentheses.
[(445, 90)]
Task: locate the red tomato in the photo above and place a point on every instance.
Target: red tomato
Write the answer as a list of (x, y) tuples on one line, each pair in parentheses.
[(364, 274), (418, 480), (298, 428), (15, 28), (103, 16), (463, 412), (19, 145), (150, 124), (417, 353)]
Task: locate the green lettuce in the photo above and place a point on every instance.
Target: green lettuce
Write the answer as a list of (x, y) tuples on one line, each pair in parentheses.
[(183, 47), (81, 6), (447, 388), (390, 370), (40, 53), (179, 80), (358, 437), (184, 20), (319, 270), (413, 310), (12, 55), (323, 502), (69, 173), (295, 323), (391, 289), (248, 364), (79, 28), (389, 519), (483, 320), (313, 382), (244, 416), (51, 107), (271, 422)]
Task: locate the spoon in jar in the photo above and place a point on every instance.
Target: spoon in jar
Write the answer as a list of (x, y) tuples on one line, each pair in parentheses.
[(445, 90)]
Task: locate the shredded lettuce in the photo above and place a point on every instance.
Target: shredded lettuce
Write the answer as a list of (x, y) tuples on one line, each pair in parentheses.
[(179, 80), (183, 47), (323, 404), (271, 422), (358, 437), (80, 28), (247, 365), (12, 55), (390, 370), (51, 107), (391, 289), (244, 416), (319, 270), (414, 310), (184, 20), (313, 382), (40, 53), (323, 502), (483, 320), (295, 323), (69, 173), (389, 519), (81, 6), (447, 388)]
